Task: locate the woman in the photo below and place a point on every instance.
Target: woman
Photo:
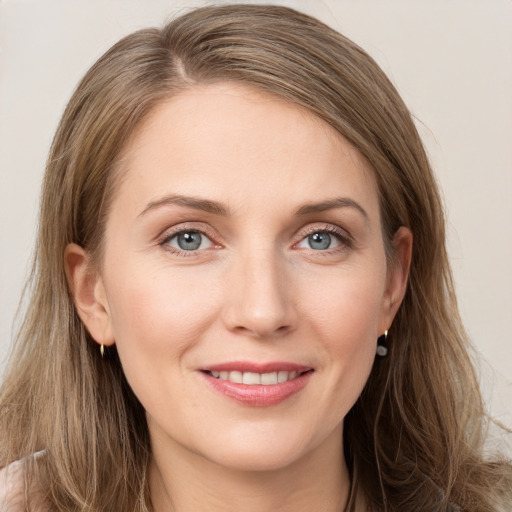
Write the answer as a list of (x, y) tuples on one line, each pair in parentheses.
[(241, 297)]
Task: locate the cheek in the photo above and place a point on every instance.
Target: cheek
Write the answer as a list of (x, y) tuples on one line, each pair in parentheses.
[(345, 320), (352, 319), (346, 305), (158, 313), (158, 316)]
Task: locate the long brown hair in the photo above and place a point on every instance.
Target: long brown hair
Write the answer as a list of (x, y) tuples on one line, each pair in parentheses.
[(413, 440)]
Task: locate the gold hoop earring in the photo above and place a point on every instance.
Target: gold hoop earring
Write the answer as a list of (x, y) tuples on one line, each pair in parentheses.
[(102, 350)]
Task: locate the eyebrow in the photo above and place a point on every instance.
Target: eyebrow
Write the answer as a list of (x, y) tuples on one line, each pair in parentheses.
[(197, 203), (217, 208), (330, 204)]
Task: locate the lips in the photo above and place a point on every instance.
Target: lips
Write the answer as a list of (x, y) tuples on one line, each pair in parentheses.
[(257, 385)]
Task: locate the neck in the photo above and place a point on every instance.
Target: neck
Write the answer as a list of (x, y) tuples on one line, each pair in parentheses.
[(181, 481)]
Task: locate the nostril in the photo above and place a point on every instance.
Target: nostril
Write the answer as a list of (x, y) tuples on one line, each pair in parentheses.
[(259, 310)]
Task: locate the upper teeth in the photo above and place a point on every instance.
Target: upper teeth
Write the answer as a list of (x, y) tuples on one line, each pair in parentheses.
[(252, 378)]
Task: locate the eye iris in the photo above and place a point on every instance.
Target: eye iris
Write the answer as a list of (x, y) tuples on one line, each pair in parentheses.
[(189, 241), (319, 241)]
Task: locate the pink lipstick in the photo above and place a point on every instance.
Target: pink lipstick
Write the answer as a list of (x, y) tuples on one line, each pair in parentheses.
[(257, 384)]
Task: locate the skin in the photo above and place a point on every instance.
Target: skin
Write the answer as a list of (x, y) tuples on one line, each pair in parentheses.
[(255, 290)]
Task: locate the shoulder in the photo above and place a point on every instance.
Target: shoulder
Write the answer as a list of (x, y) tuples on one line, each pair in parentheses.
[(12, 484), (12, 487)]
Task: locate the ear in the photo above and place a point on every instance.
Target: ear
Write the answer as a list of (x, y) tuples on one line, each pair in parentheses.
[(88, 293), (398, 274)]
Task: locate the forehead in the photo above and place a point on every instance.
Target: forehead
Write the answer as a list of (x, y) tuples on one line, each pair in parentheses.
[(237, 143)]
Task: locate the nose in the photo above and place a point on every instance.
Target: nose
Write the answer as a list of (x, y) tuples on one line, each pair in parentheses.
[(260, 297)]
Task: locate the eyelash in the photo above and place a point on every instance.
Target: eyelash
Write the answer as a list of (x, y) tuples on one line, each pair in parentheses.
[(168, 236), (345, 240)]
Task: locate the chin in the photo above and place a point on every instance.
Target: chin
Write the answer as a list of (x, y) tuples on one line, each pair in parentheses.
[(262, 451), (257, 460)]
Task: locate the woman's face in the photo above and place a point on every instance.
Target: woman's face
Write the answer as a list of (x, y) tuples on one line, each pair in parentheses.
[(244, 279)]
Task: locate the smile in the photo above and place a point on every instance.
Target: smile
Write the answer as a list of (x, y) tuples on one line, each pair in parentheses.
[(252, 378), (257, 385)]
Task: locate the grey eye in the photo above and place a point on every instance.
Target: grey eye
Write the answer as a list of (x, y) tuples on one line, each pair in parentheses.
[(319, 241), (190, 241)]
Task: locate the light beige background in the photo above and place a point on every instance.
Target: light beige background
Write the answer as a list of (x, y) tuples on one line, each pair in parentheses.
[(451, 61)]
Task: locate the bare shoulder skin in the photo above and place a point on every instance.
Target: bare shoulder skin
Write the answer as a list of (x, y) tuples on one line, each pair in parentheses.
[(11, 487)]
